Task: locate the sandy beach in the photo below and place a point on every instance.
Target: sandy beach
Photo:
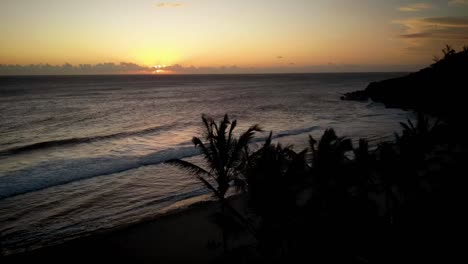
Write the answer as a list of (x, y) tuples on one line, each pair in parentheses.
[(185, 235)]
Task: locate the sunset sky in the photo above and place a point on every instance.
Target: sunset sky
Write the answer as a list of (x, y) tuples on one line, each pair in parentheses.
[(190, 36)]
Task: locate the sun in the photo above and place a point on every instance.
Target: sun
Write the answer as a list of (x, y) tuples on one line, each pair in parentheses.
[(160, 69)]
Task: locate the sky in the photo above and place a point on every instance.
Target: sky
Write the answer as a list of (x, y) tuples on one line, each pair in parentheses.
[(225, 36)]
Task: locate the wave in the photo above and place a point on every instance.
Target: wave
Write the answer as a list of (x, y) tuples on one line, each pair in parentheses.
[(76, 141), (296, 131), (58, 172)]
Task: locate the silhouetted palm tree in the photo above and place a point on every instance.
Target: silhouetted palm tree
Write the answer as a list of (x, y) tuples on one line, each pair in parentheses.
[(448, 51), (225, 155), (362, 173), (329, 172), (423, 128), (334, 202), (417, 140), (275, 176), (272, 168), (404, 162), (361, 153), (330, 151), (391, 175)]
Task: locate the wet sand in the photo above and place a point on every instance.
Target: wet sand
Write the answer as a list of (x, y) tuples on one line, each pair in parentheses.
[(188, 235)]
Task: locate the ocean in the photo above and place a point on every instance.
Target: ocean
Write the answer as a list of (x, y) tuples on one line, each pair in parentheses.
[(84, 154)]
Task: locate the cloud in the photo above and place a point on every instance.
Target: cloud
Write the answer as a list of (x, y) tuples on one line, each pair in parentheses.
[(279, 57), (428, 35), (177, 68), (416, 35), (458, 2), (167, 4), (447, 21), (415, 7), (100, 68), (442, 28), (132, 68), (291, 68)]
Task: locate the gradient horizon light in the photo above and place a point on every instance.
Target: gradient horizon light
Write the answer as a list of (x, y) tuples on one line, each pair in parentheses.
[(209, 34)]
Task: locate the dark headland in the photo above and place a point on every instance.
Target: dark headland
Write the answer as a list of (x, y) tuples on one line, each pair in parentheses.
[(439, 89)]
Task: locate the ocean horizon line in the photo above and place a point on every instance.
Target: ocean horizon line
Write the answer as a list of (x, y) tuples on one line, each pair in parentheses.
[(202, 74)]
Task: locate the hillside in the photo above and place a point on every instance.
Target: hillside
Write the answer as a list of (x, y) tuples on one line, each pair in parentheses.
[(438, 89)]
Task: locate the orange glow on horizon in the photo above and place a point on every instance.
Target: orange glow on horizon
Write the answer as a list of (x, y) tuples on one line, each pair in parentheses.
[(202, 35), (160, 69)]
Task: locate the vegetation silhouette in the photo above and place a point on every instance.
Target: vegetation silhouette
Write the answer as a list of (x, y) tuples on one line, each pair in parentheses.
[(225, 156), (274, 175), (333, 200)]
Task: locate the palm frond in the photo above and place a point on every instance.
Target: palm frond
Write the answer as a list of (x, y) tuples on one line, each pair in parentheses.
[(188, 166), (406, 127), (344, 145), (312, 141), (245, 138), (195, 170), (268, 140), (241, 144), (411, 125), (207, 121), (233, 126), (207, 155)]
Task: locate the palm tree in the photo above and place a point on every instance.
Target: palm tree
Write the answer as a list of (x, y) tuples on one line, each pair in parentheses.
[(275, 176), (328, 171), (225, 155), (362, 173), (270, 171), (448, 51), (418, 140), (327, 162), (330, 151), (392, 174), (423, 127), (330, 203)]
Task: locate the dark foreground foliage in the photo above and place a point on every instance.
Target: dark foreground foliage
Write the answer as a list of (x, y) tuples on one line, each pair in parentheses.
[(334, 202)]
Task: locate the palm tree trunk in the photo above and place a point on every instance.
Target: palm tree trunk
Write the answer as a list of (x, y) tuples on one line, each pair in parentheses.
[(223, 228), (248, 225), (388, 205)]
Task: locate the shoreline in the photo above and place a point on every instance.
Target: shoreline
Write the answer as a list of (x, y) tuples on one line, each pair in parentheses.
[(182, 234), (176, 208)]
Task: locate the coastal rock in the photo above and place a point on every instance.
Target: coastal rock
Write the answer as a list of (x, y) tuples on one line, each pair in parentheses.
[(438, 89), (356, 96)]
